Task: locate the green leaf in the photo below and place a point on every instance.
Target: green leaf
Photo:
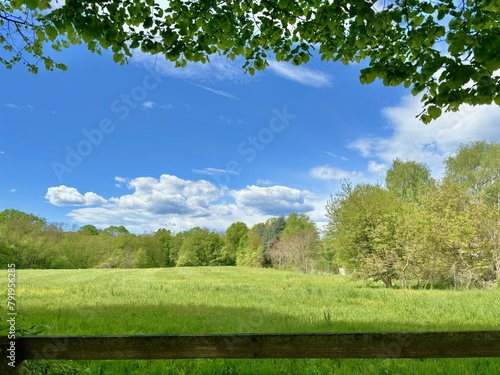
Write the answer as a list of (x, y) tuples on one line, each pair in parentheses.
[(455, 23), (118, 57), (259, 64), (368, 75), (426, 119), (31, 4), (61, 67), (417, 21), (148, 22), (51, 32), (434, 112), (427, 8), (359, 44), (440, 32), (40, 34), (442, 12)]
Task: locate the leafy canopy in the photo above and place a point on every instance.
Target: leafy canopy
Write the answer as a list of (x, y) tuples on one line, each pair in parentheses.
[(447, 50)]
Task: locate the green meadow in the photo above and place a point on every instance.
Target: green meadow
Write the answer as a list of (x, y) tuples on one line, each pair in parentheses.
[(243, 300)]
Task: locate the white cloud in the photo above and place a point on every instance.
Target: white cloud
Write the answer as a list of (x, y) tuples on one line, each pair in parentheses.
[(149, 104), (120, 181), (429, 144), (179, 204), (300, 74), (327, 172), (13, 190), (168, 195), (68, 196), (364, 146), (378, 169), (274, 200)]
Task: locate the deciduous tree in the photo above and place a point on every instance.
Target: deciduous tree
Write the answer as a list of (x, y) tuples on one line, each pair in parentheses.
[(362, 226), (476, 166), (297, 251), (89, 230), (234, 233), (251, 248)]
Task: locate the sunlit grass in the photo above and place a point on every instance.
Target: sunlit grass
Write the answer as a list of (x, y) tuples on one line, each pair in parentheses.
[(233, 300)]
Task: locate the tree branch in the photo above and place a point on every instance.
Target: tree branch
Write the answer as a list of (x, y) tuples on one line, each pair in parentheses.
[(16, 21)]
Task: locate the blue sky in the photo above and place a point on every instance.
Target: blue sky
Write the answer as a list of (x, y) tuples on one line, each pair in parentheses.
[(147, 146)]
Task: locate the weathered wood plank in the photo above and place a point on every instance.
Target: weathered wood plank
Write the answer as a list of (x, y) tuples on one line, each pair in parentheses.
[(308, 345)]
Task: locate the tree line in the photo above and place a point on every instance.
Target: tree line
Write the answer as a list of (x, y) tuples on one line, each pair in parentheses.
[(413, 231), (31, 242)]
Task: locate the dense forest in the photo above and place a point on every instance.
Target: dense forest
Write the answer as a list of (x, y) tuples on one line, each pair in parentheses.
[(412, 231)]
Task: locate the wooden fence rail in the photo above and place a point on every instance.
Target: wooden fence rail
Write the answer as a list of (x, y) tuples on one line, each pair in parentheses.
[(297, 345)]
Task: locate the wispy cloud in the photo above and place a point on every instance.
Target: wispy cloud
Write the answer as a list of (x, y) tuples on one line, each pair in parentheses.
[(228, 120), (13, 190), (300, 74), (5, 155), (263, 181), (336, 156), (150, 105), (19, 107), (378, 169), (214, 171), (120, 181), (218, 92), (327, 172), (218, 69)]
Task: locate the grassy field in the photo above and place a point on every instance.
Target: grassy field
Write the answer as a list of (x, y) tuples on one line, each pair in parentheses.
[(233, 300)]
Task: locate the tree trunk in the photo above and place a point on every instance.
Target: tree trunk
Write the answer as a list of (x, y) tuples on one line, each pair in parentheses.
[(387, 281)]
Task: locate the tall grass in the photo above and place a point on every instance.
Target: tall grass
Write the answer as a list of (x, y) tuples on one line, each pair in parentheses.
[(239, 300)]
